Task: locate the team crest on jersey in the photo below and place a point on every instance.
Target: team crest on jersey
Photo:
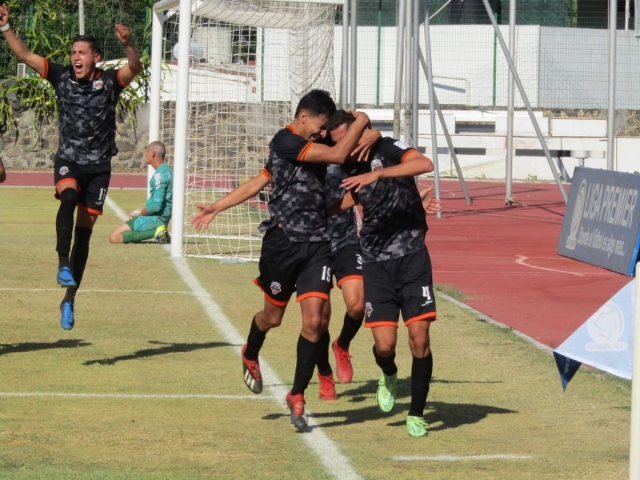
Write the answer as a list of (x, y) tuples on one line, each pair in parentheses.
[(97, 84), (376, 164), (276, 288), (415, 233), (368, 308), (64, 171)]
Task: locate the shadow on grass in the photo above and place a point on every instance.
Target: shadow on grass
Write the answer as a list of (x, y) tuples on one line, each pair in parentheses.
[(152, 352), (447, 415), (6, 348)]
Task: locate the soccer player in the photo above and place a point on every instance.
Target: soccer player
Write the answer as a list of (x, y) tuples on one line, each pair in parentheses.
[(152, 220), (296, 246), (396, 266), (87, 98)]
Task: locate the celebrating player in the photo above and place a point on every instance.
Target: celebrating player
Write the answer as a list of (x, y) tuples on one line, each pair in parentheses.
[(87, 98)]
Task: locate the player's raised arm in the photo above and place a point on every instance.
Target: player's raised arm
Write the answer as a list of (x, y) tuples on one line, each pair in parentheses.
[(24, 55), (128, 72), (338, 153), (235, 197)]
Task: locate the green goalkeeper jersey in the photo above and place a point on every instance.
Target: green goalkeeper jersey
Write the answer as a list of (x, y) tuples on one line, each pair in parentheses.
[(161, 198)]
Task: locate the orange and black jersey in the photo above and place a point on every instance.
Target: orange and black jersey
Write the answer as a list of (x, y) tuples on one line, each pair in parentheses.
[(393, 218), (87, 114), (298, 203), (343, 225)]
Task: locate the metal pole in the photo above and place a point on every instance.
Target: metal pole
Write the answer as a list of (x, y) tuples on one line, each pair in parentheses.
[(181, 128), (447, 136), (525, 99), (634, 450), (156, 76), (81, 17), (415, 70), (353, 71), (397, 97), (432, 113), (627, 14), (613, 14), (408, 61), (344, 79), (510, 99)]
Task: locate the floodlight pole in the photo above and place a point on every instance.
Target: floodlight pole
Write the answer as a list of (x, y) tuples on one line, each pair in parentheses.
[(634, 450), (397, 97), (510, 98), (525, 99), (81, 17), (613, 14)]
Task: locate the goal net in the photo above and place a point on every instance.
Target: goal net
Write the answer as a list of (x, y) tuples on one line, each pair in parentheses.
[(250, 63)]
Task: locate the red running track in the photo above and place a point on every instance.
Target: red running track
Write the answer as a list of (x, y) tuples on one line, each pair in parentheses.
[(501, 258)]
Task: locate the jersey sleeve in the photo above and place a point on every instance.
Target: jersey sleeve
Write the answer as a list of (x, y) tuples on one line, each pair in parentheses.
[(267, 170), (113, 75), (156, 200), (290, 147), (52, 72), (395, 151)]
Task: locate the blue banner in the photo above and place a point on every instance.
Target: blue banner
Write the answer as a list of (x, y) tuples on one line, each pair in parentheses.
[(602, 220), (604, 341)]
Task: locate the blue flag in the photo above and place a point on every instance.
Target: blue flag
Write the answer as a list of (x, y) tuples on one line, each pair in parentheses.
[(604, 341)]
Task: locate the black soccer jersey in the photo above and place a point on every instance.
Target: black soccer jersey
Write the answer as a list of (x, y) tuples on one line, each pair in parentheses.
[(343, 225), (393, 218), (87, 114), (298, 203)]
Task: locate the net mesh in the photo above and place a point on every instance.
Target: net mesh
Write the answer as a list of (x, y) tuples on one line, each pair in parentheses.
[(250, 62)]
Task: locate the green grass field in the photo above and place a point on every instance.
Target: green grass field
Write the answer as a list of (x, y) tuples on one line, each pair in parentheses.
[(148, 384)]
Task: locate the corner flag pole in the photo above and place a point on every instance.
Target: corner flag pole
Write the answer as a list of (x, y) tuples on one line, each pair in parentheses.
[(634, 450)]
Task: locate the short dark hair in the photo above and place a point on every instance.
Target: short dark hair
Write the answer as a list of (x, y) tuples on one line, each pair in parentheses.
[(91, 40), (338, 118), (317, 102)]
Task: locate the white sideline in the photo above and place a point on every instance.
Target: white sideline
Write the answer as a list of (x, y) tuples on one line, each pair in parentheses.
[(140, 396), (461, 458), (327, 451)]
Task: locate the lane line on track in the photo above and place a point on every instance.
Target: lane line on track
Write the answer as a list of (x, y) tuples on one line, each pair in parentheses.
[(522, 261), (326, 450)]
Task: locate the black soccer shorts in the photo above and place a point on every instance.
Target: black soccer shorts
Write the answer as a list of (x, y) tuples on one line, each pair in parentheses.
[(287, 266), (93, 181), (347, 264), (402, 284)]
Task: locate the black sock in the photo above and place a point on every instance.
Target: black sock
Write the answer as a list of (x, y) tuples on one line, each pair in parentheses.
[(79, 256), (324, 367), (254, 341), (421, 370), (64, 225), (350, 328), (386, 364), (305, 364)]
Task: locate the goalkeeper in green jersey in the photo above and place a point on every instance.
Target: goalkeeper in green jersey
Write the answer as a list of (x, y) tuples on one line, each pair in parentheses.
[(151, 221)]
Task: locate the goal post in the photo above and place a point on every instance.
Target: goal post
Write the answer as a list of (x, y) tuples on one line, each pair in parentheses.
[(232, 73)]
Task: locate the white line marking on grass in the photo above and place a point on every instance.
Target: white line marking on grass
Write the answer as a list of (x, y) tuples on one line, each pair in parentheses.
[(139, 396), (522, 261), (327, 451), (461, 458), (119, 292)]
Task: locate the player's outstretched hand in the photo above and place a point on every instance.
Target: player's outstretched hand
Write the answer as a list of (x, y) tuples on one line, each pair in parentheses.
[(367, 141), (4, 14), (430, 204), (202, 219), (123, 34), (357, 182)]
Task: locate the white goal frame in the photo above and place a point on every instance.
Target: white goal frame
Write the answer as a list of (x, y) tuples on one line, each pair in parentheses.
[(185, 8)]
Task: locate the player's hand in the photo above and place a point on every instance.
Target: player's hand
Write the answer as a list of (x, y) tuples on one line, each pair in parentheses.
[(135, 213), (4, 14), (123, 34), (357, 182), (430, 204), (202, 219), (367, 141)]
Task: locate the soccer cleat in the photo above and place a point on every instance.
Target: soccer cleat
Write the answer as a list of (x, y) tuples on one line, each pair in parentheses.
[(386, 394), (295, 403), (65, 278), (416, 426), (327, 387), (162, 236), (344, 370), (67, 319), (251, 373)]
